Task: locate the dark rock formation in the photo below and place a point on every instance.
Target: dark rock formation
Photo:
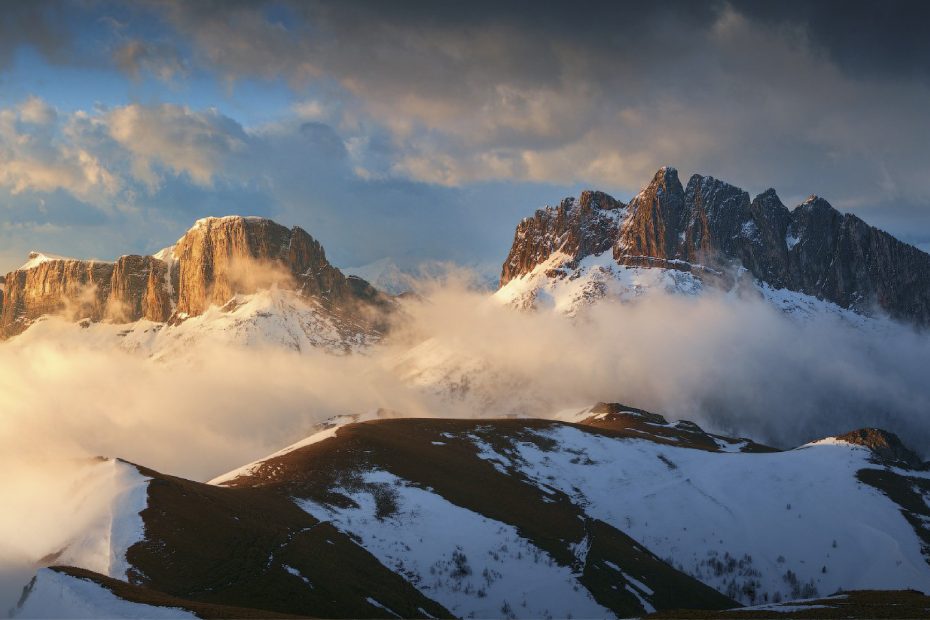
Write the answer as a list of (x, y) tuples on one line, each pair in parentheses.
[(657, 215), (813, 249), (577, 228), (217, 259)]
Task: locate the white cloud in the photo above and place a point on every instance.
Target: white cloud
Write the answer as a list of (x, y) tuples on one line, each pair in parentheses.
[(176, 138), (36, 156)]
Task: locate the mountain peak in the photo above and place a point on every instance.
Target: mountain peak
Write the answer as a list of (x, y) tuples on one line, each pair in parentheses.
[(712, 226), (217, 259)]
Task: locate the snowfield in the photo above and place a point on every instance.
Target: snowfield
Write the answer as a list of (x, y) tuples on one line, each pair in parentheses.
[(551, 285), (56, 595), (276, 318), (474, 566), (554, 286), (757, 527)]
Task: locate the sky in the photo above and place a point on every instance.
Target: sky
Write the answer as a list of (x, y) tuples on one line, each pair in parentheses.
[(422, 130)]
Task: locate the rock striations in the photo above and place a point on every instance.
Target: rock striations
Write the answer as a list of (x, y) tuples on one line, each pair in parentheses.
[(214, 261), (710, 226)]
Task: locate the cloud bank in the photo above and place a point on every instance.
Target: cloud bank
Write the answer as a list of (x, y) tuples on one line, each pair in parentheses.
[(734, 365)]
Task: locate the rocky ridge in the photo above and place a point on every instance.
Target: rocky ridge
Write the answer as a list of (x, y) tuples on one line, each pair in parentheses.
[(214, 261), (714, 231)]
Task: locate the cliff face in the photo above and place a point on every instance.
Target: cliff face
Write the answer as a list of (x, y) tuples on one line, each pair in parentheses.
[(576, 228), (813, 249), (217, 259), (220, 257), (77, 289), (140, 289)]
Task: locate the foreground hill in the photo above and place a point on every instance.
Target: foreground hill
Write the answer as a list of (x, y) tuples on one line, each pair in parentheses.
[(611, 512), (710, 234)]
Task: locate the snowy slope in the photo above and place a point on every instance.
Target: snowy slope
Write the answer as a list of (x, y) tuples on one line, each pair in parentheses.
[(275, 318), (95, 521), (757, 527), (558, 286), (116, 493), (554, 285), (473, 565), (56, 595)]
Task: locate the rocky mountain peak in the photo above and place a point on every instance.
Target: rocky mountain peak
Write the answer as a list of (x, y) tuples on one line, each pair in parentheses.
[(218, 258), (655, 218), (711, 227), (576, 228)]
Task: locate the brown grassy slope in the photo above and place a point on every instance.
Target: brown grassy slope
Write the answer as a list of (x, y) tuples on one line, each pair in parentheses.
[(231, 546), (146, 596)]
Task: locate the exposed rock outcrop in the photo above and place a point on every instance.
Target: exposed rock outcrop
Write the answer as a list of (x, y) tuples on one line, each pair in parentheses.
[(886, 447), (576, 228), (78, 289), (214, 261), (711, 226), (140, 289), (220, 257)]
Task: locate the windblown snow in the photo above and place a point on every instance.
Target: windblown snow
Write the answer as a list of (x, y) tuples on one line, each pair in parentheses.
[(109, 498)]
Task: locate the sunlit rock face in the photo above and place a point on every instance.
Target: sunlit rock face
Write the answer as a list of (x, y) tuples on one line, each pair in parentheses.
[(577, 227), (712, 227), (78, 289), (140, 289), (213, 262), (220, 257)]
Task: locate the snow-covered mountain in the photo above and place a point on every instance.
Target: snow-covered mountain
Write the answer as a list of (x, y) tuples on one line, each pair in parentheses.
[(812, 259), (611, 511)]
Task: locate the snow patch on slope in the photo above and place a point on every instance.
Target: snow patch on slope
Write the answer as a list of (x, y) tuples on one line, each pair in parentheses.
[(554, 285), (274, 318), (331, 427), (473, 565), (780, 525), (57, 595), (37, 258)]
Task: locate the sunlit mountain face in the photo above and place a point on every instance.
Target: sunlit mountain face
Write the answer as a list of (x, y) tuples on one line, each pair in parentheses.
[(420, 310)]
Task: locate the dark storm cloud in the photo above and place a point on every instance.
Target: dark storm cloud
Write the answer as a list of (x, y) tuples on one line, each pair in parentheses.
[(426, 100), (889, 38), (37, 24)]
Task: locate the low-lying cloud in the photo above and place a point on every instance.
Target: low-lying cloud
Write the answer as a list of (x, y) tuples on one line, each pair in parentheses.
[(733, 365)]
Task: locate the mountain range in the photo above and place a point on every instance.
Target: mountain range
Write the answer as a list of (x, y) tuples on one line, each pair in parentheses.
[(710, 232), (602, 511)]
